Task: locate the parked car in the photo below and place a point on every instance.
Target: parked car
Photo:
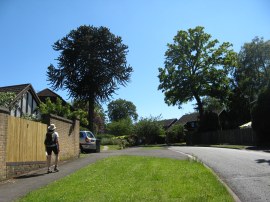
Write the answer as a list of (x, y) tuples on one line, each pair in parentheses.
[(88, 142)]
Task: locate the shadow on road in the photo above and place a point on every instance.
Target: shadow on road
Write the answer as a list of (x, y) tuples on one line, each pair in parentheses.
[(263, 161), (30, 175)]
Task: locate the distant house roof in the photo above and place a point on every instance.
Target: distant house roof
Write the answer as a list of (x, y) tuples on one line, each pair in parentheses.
[(47, 93), (19, 90), (188, 118), (167, 122)]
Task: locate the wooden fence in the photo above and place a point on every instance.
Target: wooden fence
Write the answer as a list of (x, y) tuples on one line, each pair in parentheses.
[(25, 140), (236, 136)]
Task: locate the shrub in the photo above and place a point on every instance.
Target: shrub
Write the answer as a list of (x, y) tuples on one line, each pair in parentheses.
[(121, 127), (149, 130), (175, 134), (106, 139), (121, 141)]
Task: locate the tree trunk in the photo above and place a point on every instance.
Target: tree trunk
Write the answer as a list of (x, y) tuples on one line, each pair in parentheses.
[(200, 105), (91, 107)]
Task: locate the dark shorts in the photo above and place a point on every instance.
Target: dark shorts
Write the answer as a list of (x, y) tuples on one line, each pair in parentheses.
[(50, 149)]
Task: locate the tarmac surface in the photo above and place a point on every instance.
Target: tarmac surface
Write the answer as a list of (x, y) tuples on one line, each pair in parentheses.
[(15, 188)]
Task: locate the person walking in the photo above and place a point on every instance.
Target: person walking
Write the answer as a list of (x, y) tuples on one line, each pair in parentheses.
[(52, 145)]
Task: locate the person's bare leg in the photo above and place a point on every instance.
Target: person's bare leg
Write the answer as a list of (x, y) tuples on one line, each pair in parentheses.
[(49, 157), (56, 163)]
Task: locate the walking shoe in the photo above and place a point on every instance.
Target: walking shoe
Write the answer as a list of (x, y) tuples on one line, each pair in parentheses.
[(49, 171), (56, 169)]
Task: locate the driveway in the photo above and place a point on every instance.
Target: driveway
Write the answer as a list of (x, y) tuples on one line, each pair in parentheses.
[(246, 172), (12, 189)]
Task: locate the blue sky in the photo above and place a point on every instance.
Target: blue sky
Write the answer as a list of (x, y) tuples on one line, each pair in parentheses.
[(29, 28)]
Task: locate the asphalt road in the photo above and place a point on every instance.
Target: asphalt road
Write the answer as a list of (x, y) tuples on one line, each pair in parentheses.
[(246, 172)]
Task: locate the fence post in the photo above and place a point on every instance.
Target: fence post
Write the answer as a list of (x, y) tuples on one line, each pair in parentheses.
[(4, 113)]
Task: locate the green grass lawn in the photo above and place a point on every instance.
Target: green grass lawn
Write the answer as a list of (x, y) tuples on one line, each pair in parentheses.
[(133, 178)]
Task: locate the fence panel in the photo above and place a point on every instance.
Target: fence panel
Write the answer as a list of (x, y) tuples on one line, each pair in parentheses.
[(236, 136), (25, 140)]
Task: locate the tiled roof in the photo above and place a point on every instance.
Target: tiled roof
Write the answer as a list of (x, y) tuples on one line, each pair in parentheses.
[(15, 89), (20, 90), (167, 122), (47, 93), (188, 118)]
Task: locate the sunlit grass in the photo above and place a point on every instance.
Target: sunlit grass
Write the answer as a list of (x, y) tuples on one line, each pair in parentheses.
[(133, 178)]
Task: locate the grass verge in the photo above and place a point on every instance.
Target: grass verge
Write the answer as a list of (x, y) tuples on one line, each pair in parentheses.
[(133, 178)]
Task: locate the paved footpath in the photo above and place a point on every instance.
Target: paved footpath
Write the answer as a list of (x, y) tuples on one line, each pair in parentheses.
[(15, 188)]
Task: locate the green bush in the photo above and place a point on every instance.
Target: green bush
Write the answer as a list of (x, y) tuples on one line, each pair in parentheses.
[(149, 131), (106, 139), (121, 127), (175, 134), (121, 141)]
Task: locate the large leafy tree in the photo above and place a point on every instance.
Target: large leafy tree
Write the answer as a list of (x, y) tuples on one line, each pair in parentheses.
[(195, 66), (121, 109), (91, 65), (250, 78), (253, 73)]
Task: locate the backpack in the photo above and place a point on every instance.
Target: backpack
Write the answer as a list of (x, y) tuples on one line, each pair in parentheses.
[(49, 139)]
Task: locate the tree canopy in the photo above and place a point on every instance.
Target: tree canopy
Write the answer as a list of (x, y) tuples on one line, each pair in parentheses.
[(91, 65), (121, 109), (195, 66), (253, 73)]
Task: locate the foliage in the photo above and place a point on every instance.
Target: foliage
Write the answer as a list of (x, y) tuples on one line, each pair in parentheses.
[(30, 117), (121, 127), (136, 178), (209, 122), (175, 134), (6, 98), (81, 111), (239, 108), (106, 139), (195, 67), (261, 118), (91, 65), (121, 109), (253, 73), (249, 78), (121, 141), (55, 108), (149, 130), (212, 104)]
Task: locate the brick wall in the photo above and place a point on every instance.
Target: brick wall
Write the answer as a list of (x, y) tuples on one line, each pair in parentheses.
[(68, 136), (68, 131), (4, 113)]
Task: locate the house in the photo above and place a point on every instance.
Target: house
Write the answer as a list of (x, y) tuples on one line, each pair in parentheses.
[(47, 93), (167, 123), (25, 102), (189, 121)]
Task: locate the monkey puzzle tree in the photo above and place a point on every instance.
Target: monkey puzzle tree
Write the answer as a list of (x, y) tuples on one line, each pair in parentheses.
[(91, 65), (196, 67)]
